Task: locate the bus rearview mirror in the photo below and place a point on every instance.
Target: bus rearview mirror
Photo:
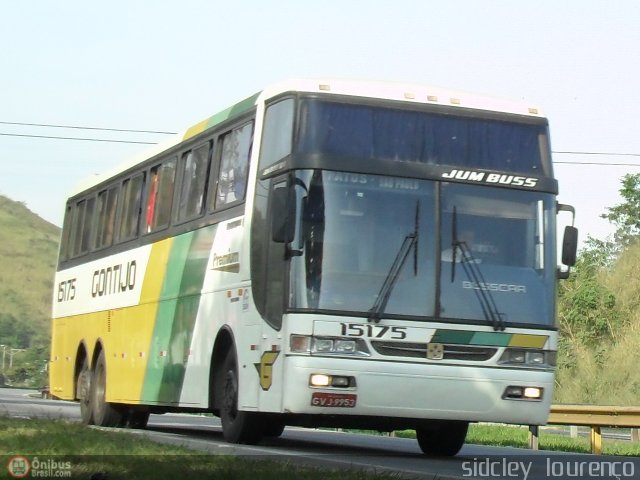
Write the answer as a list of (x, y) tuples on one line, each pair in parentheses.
[(569, 246), (282, 214)]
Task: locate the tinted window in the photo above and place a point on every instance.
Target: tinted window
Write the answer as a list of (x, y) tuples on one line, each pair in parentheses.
[(66, 231), (366, 132), (195, 172), (160, 198), (78, 220), (131, 206), (277, 132), (107, 201), (234, 165), (87, 224)]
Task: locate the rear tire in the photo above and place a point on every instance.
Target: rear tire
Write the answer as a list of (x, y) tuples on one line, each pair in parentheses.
[(83, 392), (237, 426), (105, 414), (443, 439)]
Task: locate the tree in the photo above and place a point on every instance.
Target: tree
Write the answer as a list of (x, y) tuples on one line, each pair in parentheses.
[(626, 216), (13, 333)]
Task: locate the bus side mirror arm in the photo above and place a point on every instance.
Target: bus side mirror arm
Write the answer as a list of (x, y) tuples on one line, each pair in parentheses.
[(569, 242)]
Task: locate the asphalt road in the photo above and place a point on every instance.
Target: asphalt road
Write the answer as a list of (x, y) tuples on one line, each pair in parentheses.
[(329, 449)]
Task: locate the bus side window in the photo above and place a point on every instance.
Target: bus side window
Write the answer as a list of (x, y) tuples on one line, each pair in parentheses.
[(65, 249), (107, 201), (234, 165), (87, 225), (195, 173), (76, 233), (160, 197), (131, 207)]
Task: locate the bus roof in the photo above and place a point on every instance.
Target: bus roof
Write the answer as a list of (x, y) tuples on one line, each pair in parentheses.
[(410, 93)]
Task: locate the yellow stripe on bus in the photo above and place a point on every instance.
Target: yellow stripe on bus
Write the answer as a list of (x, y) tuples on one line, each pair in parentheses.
[(196, 129), (126, 375), (529, 341)]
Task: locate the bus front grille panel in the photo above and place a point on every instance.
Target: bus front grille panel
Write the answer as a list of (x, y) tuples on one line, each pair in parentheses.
[(419, 350)]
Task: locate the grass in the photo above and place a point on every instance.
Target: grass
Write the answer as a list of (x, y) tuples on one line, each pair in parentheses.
[(502, 435), (514, 436), (113, 455)]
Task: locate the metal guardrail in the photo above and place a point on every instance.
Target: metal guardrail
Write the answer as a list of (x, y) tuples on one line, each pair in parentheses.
[(595, 417)]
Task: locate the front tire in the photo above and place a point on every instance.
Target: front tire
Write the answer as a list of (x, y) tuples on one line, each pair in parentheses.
[(138, 419), (105, 414), (237, 426), (442, 439), (274, 428)]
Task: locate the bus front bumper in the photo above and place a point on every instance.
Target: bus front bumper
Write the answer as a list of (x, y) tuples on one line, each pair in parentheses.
[(412, 390)]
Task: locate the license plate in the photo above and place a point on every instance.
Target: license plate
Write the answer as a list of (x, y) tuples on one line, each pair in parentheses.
[(324, 399)]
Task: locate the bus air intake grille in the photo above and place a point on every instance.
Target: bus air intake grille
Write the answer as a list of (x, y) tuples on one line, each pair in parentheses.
[(419, 350)]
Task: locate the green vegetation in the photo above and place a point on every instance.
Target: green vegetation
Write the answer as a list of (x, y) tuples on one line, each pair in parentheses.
[(512, 436), (515, 436), (599, 313), (120, 455), (552, 438), (28, 252)]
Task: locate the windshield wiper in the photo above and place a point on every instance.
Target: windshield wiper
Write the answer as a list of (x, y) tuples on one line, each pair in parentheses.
[(474, 274), (409, 242)]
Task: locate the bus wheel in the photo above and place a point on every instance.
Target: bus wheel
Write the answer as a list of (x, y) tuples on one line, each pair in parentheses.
[(138, 419), (237, 426), (104, 414), (83, 393), (274, 428), (442, 438)]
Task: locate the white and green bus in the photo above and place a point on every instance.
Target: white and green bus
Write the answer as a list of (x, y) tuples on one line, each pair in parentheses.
[(323, 253)]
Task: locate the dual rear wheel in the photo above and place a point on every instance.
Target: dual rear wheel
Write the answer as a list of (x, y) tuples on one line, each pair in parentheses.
[(94, 408)]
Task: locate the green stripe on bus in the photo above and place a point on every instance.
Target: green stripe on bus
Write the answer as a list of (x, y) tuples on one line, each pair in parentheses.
[(493, 339), (179, 302), (452, 336), (233, 111)]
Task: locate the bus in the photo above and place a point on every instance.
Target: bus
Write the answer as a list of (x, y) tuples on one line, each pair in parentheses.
[(321, 254)]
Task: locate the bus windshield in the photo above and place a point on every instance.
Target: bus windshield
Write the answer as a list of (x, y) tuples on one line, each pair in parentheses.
[(353, 230), (374, 132)]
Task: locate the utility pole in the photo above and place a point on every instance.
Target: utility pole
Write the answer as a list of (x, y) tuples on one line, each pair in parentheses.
[(4, 349), (12, 352)]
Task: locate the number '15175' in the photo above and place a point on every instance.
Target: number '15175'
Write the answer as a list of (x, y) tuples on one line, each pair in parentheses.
[(372, 331)]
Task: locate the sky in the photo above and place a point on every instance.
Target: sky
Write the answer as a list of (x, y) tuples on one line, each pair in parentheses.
[(165, 65)]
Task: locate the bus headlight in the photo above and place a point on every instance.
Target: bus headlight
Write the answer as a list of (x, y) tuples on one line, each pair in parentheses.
[(535, 358), (528, 358), (322, 380), (518, 392), (319, 380), (323, 345), (533, 393), (328, 345), (345, 346)]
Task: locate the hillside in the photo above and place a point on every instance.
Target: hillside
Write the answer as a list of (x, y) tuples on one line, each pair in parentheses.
[(599, 317), (28, 253)]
